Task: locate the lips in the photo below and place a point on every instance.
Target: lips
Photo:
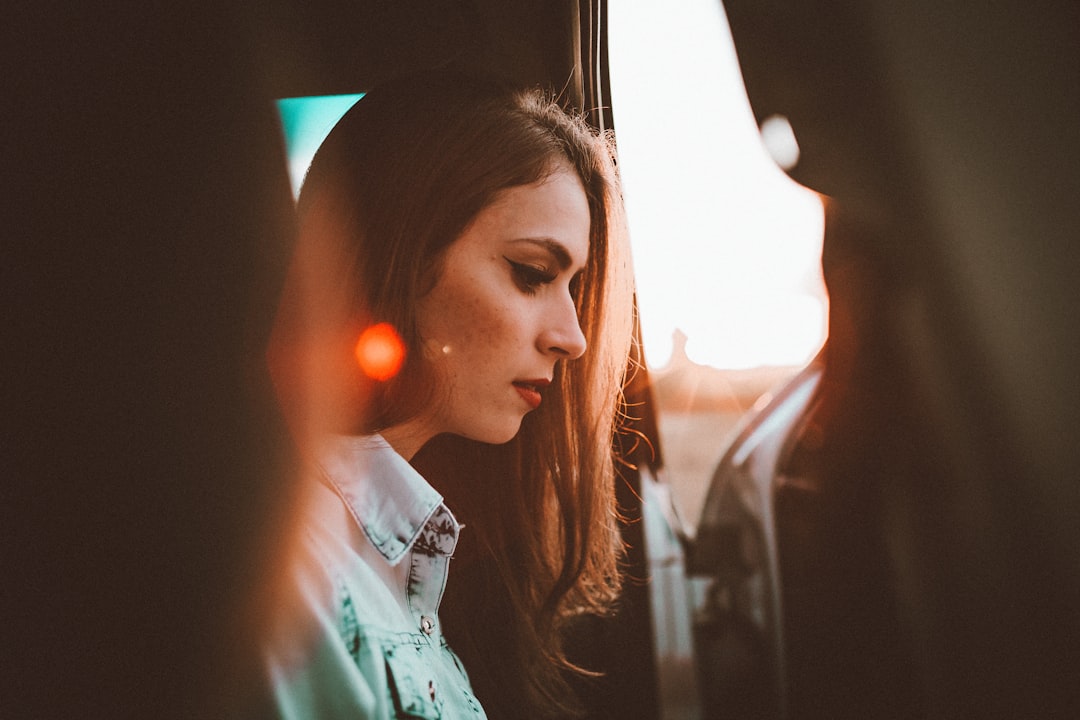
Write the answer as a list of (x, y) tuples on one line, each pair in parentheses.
[(530, 390)]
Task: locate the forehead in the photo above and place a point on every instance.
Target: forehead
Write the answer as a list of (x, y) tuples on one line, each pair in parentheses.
[(552, 213)]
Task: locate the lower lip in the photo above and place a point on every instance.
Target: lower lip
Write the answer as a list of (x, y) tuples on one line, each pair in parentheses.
[(532, 397)]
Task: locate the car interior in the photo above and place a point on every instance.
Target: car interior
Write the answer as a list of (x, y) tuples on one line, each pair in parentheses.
[(895, 535)]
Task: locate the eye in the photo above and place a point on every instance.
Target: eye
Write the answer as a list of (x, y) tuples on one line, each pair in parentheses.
[(529, 277)]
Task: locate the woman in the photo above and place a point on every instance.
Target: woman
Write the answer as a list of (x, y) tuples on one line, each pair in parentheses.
[(480, 228)]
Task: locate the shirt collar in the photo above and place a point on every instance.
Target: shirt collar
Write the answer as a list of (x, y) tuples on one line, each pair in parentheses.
[(390, 501)]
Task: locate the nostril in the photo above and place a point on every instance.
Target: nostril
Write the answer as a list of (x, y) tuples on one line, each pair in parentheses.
[(563, 338), (573, 348)]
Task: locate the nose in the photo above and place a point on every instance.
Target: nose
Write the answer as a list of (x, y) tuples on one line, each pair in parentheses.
[(561, 334)]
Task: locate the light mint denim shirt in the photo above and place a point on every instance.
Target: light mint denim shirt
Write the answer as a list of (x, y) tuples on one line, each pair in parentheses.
[(363, 639)]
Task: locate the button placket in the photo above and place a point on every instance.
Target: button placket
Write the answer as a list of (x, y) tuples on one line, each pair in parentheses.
[(425, 590)]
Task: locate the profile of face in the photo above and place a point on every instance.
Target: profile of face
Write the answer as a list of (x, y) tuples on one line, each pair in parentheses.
[(501, 315)]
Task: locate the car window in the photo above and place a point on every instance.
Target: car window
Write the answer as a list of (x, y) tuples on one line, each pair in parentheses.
[(726, 246)]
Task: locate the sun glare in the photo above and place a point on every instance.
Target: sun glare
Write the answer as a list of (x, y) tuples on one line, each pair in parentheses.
[(726, 247)]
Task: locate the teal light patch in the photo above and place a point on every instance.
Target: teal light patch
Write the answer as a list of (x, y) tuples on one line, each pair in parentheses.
[(306, 121)]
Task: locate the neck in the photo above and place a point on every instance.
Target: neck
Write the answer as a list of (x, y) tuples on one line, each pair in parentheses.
[(406, 438)]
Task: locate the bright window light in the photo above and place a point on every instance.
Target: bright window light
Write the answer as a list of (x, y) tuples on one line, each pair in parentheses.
[(727, 248)]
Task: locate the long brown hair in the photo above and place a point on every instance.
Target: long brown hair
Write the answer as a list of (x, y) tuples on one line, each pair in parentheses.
[(402, 175)]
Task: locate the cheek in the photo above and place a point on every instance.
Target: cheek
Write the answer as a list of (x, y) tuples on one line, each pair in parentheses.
[(472, 333), (482, 334), (458, 323)]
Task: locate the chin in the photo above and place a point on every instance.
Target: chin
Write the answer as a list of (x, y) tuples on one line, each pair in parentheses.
[(495, 434)]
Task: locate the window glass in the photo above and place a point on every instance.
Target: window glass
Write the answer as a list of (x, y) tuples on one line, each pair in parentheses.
[(306, 121)]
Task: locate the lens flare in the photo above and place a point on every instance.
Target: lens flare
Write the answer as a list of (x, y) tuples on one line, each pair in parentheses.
[(380, 352)]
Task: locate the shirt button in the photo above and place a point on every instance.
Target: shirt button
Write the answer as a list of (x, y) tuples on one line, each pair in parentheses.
[(427, 625)]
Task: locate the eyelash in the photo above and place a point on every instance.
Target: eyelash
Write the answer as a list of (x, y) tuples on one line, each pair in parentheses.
[(528, 277)]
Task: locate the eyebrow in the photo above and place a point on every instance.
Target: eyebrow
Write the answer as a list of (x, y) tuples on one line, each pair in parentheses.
[(556, 248)]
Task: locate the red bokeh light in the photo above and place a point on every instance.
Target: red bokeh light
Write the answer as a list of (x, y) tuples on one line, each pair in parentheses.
[(380, 352)]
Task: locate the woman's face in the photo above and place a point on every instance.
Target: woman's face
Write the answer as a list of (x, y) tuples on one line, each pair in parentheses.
[(501, 315)]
